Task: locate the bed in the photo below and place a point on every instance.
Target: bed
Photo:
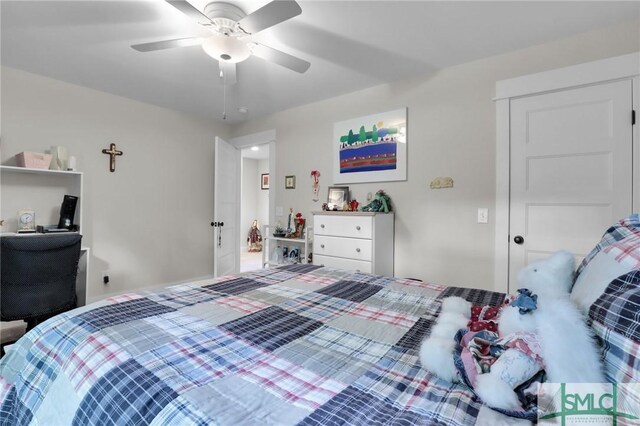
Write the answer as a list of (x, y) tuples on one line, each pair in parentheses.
[(299, 344)]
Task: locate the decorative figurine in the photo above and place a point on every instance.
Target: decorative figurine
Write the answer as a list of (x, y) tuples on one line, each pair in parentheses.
[(380, 203), (254, 238), (299, 222)]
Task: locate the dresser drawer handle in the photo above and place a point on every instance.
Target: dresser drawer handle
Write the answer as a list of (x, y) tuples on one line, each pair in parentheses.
[(321, 245), (358, 228), (322, 226), (358, 250)]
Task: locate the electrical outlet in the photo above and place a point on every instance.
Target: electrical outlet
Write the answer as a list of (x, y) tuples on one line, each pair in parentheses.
[(105, 277), (483, 215)]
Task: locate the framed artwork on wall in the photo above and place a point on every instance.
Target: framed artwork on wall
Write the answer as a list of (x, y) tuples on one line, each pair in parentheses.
[(264, 181), (290, 182), (372, 148), (338, 197)]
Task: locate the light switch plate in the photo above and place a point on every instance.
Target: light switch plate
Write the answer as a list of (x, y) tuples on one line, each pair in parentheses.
[(483, 215)]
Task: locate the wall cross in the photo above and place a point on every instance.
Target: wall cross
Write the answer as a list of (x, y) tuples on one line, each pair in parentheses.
[(112, 152)]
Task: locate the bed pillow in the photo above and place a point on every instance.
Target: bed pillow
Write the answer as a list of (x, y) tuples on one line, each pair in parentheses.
[(594, 279), (615, 319), (617, 253)]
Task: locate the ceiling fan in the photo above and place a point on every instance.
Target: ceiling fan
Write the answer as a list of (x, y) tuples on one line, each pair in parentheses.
[(231, 29)]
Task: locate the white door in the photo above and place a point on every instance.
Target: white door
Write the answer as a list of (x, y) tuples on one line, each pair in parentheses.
[(226, 209), (571, 170)]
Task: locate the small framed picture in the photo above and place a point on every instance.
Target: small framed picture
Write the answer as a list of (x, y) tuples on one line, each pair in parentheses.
[(338, 197), (290, 182), (264, 181)]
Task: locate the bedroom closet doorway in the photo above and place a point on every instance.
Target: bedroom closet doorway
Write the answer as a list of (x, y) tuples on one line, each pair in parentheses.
[(571, 160), (254, 204)]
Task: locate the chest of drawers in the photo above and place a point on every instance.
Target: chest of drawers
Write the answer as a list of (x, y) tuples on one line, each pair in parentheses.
[(358, 241)]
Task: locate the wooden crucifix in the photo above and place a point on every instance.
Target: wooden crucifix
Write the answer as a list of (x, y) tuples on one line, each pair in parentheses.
[(112, 151)]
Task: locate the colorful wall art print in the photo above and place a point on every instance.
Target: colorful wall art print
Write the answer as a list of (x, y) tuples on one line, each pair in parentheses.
[(371, 148)]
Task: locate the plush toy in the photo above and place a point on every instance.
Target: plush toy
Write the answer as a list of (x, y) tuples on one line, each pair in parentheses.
[(380, 203), (539, 328)]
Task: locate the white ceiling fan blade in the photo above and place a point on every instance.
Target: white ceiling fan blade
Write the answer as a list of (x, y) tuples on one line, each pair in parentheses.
[(269, 15), (227, 73), (167, 44), (186, 8), (276, 56)]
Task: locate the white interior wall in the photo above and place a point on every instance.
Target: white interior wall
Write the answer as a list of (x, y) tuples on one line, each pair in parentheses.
[(263, 196), (147, 223), (249, 198), (451, 132)]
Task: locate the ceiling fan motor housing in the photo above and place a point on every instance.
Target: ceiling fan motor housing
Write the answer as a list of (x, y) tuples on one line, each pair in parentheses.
[(225, 16)]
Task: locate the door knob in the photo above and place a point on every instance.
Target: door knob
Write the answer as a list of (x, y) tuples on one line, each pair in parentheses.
[(322, 226), (518, 239), (221, 224), (321, 245), (358, 228)]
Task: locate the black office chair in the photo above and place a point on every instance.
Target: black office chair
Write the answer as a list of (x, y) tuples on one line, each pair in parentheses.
[(38, 276)]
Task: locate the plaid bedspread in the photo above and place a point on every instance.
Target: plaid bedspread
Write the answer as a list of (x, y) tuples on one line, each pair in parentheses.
[(293, 345)]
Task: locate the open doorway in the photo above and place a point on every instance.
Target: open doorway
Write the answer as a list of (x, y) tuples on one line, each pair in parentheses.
[(254, 204)]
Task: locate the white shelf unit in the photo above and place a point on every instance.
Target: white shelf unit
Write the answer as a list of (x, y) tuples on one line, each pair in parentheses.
[(38, 189), (43, 190), (270, 244)]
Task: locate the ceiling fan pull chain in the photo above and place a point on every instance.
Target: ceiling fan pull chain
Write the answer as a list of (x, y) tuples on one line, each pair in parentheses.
[(224, 96)]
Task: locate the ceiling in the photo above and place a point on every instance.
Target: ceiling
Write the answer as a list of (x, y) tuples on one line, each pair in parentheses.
[(262, 153), (351, 45)]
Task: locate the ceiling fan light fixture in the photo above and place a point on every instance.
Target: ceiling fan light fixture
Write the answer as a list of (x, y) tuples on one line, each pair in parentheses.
[(226, 49)]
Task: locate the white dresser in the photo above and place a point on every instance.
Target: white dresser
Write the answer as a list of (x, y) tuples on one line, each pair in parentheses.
[(358, 241)]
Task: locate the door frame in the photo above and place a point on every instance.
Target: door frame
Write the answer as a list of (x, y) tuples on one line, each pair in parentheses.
[(262, 138), (625, 67)]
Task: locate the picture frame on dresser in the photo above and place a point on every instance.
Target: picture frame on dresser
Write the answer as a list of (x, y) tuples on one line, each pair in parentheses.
[(337, 197)]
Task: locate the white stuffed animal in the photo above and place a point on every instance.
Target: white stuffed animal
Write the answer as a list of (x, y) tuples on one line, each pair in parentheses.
[(565, 344), (568, 347), (436, 351)]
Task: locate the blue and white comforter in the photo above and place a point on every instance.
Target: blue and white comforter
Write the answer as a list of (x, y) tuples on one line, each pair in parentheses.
[(294, 345)]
